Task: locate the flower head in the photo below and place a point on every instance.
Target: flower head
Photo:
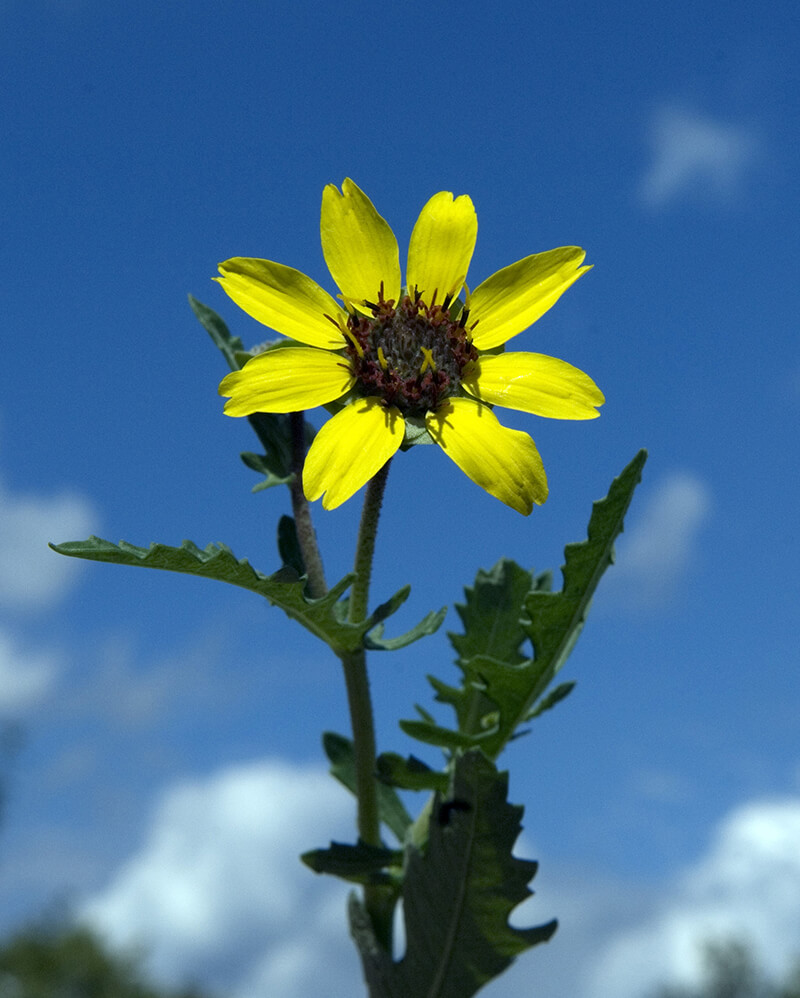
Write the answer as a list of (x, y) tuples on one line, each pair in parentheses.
[(410, 361)]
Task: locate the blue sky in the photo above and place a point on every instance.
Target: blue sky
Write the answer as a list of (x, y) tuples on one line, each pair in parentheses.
[(162, 733)]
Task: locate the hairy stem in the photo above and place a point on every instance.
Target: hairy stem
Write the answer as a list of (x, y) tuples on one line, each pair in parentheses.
[(365, 549), (306, 535), (379, 903)]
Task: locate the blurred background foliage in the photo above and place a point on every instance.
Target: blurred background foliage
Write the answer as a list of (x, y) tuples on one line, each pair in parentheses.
[(62, 961), (65, 961), (732, 970)]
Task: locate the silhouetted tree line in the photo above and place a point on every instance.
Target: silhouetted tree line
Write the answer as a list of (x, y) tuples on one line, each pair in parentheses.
[(731, 970), (72, 962)]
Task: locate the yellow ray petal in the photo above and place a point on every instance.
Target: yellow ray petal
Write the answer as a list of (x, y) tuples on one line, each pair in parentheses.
[(516, 296), (533, 382), (283, 299), (350, 449), (441, 246), (359, 247), (504, 462), (288, 379)]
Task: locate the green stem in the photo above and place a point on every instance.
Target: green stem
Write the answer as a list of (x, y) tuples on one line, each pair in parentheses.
[(378, 901), (306, 535), (365, 549)]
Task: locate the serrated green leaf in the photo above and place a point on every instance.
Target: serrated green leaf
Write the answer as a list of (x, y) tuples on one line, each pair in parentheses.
[(360, 864), (215, 327), (555, 620), (429, 624), (391, 810), (283, 589), (491, 613), (501, 688), (457, 895), (410, 774)]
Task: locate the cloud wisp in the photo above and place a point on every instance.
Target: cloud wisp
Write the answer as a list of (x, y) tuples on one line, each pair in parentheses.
[(33, 577), (696, 155), (218, 895), (26, 677), (655, 553), (746, 888)]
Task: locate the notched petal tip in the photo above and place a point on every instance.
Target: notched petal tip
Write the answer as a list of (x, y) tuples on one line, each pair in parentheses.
[(441, 246), (358, 244), (350, 449), (514, 298), (534, 383), (503, 462)]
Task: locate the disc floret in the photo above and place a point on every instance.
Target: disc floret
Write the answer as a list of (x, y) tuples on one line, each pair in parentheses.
[(411, 354)]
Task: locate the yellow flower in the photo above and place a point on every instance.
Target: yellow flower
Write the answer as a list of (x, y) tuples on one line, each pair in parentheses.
[(408, 360)]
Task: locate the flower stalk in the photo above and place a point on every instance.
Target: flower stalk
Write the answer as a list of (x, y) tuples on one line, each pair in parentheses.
[(378, 901), (306, 535)]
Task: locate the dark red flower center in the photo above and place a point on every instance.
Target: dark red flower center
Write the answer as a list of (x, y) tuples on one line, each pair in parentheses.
[(411, 356)]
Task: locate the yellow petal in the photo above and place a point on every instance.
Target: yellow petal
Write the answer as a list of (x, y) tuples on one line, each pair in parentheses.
[(533, 382), (359, 247), (504, 462), (283, 299), (350, 449), (516, 296), (287, 379), (441, 246)]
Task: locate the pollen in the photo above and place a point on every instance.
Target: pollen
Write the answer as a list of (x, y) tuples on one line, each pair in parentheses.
[(428, 362)]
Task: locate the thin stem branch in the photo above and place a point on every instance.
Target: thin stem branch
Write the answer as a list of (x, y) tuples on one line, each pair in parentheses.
[(306, 535)]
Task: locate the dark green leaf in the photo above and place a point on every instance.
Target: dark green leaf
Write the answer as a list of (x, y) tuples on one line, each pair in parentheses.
[(434, 734), (289, 546), (361, 864), (457, 895), (501, 688), (410, 773), (339, 751), (274, 469), (551, 699), (491, 614), (392, 605), (283, 589), (215, 327), (556, 619), (429, 624)]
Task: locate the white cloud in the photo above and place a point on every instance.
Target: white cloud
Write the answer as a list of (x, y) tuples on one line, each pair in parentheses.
[(31, 575), (693, 154), (747, 887), (654, 554), (218, 894), (25, 677)]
